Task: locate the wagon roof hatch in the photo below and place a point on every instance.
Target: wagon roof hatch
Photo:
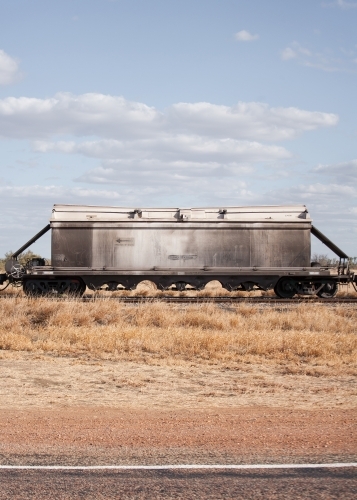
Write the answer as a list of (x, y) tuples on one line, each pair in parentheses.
[(265, 214)]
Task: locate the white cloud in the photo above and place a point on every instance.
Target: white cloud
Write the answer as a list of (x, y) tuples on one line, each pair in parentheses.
[(51, 192), (252, 120), (170, 149), (136, 144), (114, 117), (326, 61), (332, 199), (288, 53), (181, 163), (202, 151), (121, 171), (245, 36), (198, 150), (209, 183), (346, 171), (9, 69), (343, 4), (327, 191), (87, 114), (346, 5)]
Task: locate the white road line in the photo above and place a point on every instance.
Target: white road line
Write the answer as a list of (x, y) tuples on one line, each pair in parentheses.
[(171, 467)]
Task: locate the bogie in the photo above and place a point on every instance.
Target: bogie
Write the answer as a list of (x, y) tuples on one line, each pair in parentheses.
[(57, 287), (287, 288)]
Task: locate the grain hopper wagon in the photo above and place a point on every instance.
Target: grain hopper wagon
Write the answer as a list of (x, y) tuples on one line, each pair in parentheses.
[(244, 248)]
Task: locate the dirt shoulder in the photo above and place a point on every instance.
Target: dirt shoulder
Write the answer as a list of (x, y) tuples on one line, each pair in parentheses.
[(77, 411), (211, 435)]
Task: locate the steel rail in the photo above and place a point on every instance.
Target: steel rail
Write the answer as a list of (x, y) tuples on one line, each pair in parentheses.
[(221, 300), (195, 300)]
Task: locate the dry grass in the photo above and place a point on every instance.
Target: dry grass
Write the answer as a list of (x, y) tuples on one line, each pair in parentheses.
[(311, 336)]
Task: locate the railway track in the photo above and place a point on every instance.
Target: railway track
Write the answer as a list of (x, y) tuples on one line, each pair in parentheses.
[(272, 301), (221, 300)]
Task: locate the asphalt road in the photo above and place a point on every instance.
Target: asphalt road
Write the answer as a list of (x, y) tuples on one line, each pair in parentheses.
[(211, 484)]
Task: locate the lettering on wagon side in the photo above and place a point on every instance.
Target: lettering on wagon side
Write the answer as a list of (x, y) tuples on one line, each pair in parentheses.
[(182, 257)]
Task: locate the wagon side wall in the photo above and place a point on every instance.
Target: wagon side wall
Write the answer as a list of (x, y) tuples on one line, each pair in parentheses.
[(146, 245)]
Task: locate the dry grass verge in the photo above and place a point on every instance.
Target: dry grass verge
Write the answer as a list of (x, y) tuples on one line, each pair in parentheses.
[(302, 338)]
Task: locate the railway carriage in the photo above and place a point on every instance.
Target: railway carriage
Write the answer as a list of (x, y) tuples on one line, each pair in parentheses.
[(244, 248)]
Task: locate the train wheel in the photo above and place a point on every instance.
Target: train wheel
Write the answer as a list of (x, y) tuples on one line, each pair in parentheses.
[(328, 291), (76, 288), (180, 286), (285, 288)]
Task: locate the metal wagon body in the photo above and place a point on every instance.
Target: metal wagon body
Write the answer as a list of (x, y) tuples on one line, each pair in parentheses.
[(173, 238), (242, 247)]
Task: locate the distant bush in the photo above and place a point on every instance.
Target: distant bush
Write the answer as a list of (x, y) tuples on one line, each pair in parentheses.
[(325, 260)]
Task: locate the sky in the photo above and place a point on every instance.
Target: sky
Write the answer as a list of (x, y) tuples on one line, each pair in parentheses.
[(179, 103)]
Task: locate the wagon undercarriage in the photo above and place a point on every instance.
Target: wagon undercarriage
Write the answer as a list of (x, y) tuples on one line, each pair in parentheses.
[(285, 285)]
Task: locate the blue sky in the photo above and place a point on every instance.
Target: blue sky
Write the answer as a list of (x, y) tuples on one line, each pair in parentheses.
[(178, 103)]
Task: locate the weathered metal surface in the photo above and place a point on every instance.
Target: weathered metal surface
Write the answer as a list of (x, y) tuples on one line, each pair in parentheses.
[(146, 239)]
